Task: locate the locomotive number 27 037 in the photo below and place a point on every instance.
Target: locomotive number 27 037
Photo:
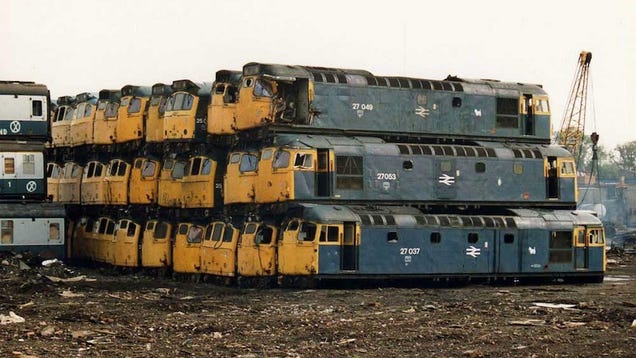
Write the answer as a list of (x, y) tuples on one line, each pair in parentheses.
[(409, 250)]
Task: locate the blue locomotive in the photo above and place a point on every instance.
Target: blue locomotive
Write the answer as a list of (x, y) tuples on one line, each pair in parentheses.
[(356, 102)]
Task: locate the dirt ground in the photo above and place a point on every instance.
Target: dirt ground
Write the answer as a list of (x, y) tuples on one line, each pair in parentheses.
[(65, 311)]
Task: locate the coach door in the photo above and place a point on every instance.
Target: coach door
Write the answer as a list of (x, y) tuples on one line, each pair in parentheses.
[(445, 177), (324, 173), (528, 112), (349, 247), (508, 255)]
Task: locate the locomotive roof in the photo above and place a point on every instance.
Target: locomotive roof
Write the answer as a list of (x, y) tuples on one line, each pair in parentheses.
[(139, 91), (195, 88), (161, 89), (111, 95), (228, 76), (23, 88)]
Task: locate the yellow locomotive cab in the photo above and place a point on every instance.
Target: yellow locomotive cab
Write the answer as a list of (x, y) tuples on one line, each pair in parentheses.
[(117, 182), (144, 181), (132, 114), (222, 109), (103, 241), (125, 251), (54, 174), (94, 185), (186, 250), (70, 183), (240, 178), (170, 183), (218, 250), (257, 250), (198, 183), (156, 246), (156, 111), (298, 249), (256, 102), (81, 128), (276, 173)]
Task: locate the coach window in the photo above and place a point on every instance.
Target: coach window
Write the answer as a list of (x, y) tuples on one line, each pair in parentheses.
[(54, 231), (281, 159), (6, 231), (436, 238), (349, 172), (473, 237), (9, 166), (480, 167), (36, 108)]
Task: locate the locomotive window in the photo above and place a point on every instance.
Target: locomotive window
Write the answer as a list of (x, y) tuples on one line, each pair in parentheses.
[(217, 231), (168, 164), (349, 172), (54, 231), (161, 230), (150, 225), (111, 110), (303, 160), (228, 233), (178, 170), (250, 228), (113, 168), (88, 111), (407, 165), (457, 102), (195, 234), (6, 231), (132, 228), (123, 224), (517, 168), (134, 106), (436, 238), (28, 164), (266, 154), (208, 232), (206, 167), (137, 163), (392, 237), (69, 114), (149, 169), (183, 228), (162, 105), (9, 166), (249, 163), (480, 167), (263, 89), (331, 234), (196, 166), (264, 235), (187, 101), (473, 237), (248, 82), (235, 158), (560, 246), (567, 168), (36, 108), (307, 232), (110, 228), (293, 225), (76, 171), (219, 89), (541, 105), (121, 169), (281, 159), (509, 238)]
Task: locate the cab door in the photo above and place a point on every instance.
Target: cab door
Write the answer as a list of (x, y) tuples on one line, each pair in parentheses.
[(581, 249), (324, 173), (350, 247)]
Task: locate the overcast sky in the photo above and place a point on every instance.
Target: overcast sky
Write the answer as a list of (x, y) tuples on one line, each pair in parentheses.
[(76, 46)]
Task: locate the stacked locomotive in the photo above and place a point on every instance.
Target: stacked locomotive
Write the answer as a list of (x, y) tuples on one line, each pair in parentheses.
[(286, 173), (27, 221)]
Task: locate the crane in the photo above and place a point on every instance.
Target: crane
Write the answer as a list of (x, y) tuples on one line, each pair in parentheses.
[(572, 127)]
